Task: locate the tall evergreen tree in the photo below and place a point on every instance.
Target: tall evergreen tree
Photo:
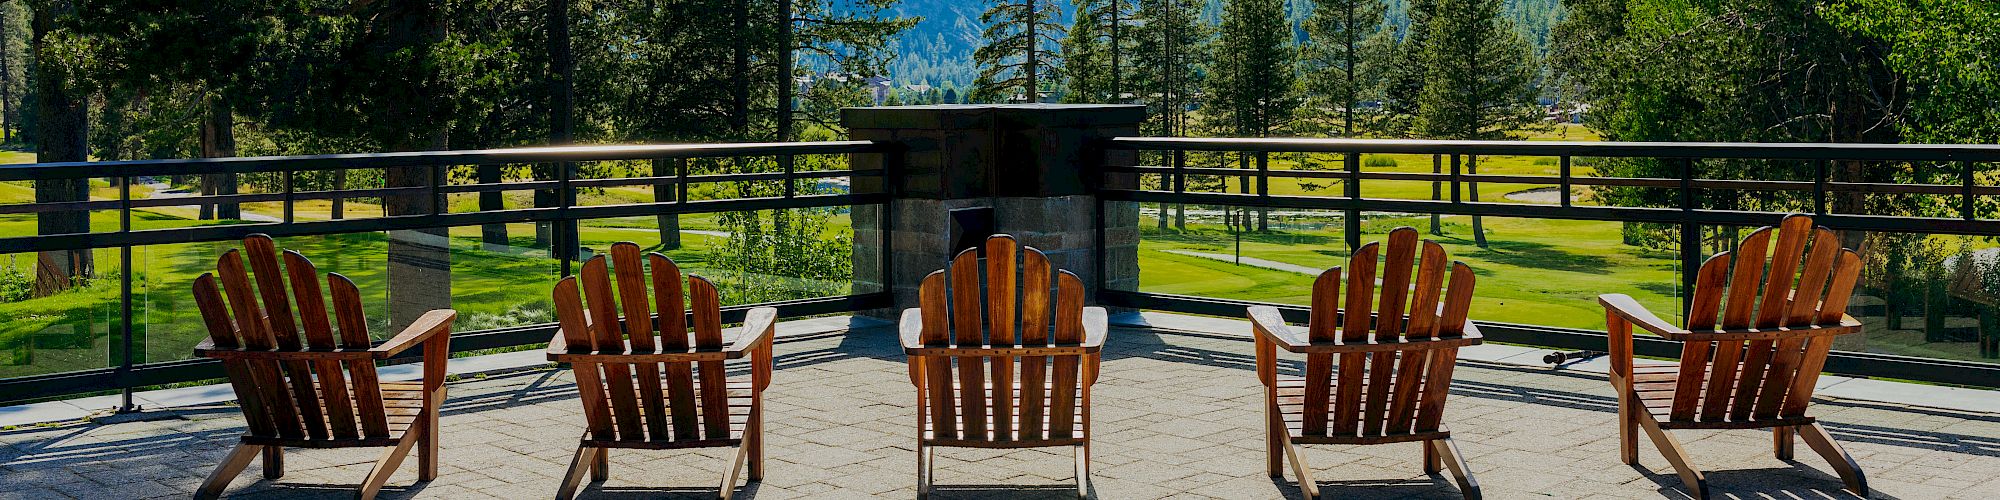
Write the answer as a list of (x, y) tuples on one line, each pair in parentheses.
[(1337, 67), (1095, 52), (1479, 81), (1019, 51), (1170, 50), (1251, 85), (62, 133)]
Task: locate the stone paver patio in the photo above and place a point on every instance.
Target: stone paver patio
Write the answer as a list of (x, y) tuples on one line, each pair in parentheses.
[(1177, 416)]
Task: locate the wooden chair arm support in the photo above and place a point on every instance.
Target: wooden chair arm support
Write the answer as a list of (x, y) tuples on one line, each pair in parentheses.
[(911, 329), (1095, 325), (759, 325), (1624, 307), (429, 325), (1268, 324)]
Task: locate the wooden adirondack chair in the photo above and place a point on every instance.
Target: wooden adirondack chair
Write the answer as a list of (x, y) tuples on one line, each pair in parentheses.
[(296, 391), (1753, 368), (1046, 403), (1389, 386), (679, 410)]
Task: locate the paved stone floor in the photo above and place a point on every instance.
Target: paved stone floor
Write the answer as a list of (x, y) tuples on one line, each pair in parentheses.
[(1177, 417)]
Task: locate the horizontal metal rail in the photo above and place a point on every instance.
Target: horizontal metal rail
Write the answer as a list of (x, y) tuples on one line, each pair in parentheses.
[(1684, 210), (430, 210)]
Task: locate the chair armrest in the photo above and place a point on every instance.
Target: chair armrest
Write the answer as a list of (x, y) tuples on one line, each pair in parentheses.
[(911, 329), (1095, 323), (1266, 322), (759, 325), (429, 325), (1624, 307)]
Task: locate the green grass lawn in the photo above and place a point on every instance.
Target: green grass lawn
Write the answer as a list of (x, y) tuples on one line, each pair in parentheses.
[(1534, 271)]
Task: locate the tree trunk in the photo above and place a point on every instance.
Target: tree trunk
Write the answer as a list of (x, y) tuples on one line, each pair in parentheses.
[(1472, 190), (1437, 194), (785, 85), (562, 67), (489, 201), (62, 134), (419, 260), (1034, 52), (739, 73), (218, 140), (6, 80), (669, 223), (339, 203)]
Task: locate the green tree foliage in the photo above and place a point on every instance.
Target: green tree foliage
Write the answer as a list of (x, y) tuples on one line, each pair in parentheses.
[(1169, 58), (1343, 60), (1251, 87), (1945, 49), (1097, 52), (1019, 55), (1479, 74)]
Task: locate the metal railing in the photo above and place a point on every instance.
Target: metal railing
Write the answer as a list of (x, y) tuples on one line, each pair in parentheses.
[(1687, 211), (434, 188)]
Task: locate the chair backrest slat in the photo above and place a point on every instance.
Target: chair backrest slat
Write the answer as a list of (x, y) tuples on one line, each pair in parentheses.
[(1066, 381), (1002, 307), (937, 332), (1324, 327), (669, 302), (354, 335), (708, 335), (1356, 320), (1395, 291), (278, 322), (967, 321), (1035, 320), (982, 397)]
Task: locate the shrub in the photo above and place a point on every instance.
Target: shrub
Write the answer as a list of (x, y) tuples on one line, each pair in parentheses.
[(1379, 161), (1546, 161)]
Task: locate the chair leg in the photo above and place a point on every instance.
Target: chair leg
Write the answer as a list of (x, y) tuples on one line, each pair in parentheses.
[(427, 449), (1850, 472), (386, 466), (735, 468), (1308, 487), (1628, 432), (274, 462), (1781, 442), (584, 458), (1447, 451), (600, 465), (226, 471), (1431, 460), (1671, 448), (924, 460), (754, 439), (1274, 442), (1082, 452)]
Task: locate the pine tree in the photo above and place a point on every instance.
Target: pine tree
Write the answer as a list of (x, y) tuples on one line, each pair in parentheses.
[(1335, 58), (1170, 49), (1018, 54), (1251, 82), (1479, 81), (1094, 52)]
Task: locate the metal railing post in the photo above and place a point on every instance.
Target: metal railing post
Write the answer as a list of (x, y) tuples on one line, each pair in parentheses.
[(1690, 237)]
